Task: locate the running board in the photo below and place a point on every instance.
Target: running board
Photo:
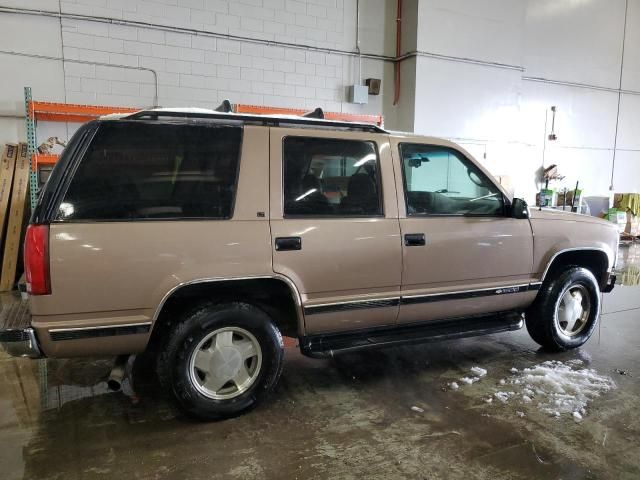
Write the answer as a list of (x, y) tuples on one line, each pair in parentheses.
[(327, 345)]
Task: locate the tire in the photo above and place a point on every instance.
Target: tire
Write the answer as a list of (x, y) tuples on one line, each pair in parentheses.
[(566, 310), (234, 340)]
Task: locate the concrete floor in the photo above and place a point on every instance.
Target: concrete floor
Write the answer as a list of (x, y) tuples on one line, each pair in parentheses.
[(349, 417)]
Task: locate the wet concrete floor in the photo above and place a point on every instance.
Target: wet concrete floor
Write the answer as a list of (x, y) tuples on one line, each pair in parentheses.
[(349, 417)]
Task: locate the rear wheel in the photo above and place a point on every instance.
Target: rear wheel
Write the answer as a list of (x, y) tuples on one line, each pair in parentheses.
[(222, 360), (566, 311)]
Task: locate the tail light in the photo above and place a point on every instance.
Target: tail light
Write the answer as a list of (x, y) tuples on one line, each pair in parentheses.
[(36, 260)]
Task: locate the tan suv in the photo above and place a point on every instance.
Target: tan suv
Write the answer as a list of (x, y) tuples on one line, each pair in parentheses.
[(207, 236)]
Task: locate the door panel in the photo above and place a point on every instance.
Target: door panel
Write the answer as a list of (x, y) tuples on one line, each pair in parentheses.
[(347, 268), (467, 264)]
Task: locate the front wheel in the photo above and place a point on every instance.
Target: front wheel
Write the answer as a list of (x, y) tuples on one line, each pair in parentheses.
[(566, 310), (222, 360)]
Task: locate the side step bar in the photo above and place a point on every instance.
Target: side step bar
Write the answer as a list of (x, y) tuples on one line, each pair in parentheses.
[(327, 345)]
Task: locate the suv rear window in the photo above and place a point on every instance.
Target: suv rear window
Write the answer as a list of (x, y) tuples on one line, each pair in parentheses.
[(331, 178), (155, 171)]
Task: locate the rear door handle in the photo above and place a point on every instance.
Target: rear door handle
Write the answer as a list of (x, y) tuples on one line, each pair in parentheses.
[(288, 243), (414, 240)]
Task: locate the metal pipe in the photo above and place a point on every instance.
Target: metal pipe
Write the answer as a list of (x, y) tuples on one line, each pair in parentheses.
[(397, 65), (192, 31), (87, 62), (383, 58), (358, 42), (117, 375), (615, 136), (580, 85), (451, 58)]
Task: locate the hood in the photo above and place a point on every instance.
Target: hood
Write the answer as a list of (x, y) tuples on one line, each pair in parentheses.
[(553, 214)]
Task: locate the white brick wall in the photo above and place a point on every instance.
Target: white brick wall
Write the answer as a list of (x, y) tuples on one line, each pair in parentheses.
[(196, 69)]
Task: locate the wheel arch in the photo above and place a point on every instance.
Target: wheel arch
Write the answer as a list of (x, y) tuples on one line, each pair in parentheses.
[(276, 295), (594, 259)]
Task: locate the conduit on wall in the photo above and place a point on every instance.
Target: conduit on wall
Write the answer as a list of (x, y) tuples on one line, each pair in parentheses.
[(396, 92)]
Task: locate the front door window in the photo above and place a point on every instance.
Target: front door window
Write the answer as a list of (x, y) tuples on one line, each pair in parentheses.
[(439, 181)]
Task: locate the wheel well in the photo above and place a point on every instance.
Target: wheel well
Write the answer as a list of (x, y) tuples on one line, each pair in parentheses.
[(594, 260), (273, 296)]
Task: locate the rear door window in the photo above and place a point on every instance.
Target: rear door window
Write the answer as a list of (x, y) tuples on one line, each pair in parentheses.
[(331, 178), (134, 171)]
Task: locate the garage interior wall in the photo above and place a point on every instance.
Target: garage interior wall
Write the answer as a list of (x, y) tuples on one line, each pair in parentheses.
[(482, 73)]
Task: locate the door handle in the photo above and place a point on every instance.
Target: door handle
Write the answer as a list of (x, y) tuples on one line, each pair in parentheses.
[(414, 240), (288, 243)]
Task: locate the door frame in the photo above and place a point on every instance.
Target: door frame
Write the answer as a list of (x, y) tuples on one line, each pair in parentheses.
[(328, 306)]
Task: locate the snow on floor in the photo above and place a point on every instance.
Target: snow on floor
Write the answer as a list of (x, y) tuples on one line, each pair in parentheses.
[(478, 373), (554, 387)]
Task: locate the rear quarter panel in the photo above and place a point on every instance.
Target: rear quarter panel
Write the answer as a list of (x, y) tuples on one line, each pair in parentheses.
[(117, 273)]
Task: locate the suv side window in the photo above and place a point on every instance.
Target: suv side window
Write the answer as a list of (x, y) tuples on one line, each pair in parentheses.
[(440, 181), (135, 170), (331, 177)]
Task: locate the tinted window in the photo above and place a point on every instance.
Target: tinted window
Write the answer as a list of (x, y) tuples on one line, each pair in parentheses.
[(137, 171), (440, 181), (328, 177)]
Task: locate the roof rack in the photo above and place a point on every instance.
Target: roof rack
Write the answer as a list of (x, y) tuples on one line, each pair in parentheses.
[(225, 107), (223, 112), (317, 113)]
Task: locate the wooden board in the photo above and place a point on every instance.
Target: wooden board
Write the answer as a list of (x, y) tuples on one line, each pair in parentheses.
[(7, 166), (16, 218)]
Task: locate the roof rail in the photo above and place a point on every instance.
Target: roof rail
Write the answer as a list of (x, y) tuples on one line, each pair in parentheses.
[(253, 119)]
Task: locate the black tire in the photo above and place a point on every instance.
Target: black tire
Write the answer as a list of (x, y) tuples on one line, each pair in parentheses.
[(541, 318), (174, 360)]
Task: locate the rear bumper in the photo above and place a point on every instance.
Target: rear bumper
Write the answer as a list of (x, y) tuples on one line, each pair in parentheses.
[(20, 342)]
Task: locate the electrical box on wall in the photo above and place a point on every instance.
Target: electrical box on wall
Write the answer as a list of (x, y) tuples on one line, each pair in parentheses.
[(374, 85), (358, 94)]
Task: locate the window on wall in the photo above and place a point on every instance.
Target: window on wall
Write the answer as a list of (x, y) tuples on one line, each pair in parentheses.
[(440, 181), (331, 177), (135, 170)]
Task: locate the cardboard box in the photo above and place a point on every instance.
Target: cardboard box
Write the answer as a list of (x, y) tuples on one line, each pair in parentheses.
[(632, 226), (7, 166), (13, 241), (546, 198), (617, 198), (618, 217), (567, 198)]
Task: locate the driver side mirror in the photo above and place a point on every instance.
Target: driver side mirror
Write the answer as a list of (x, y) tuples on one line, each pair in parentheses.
[(519, 208)]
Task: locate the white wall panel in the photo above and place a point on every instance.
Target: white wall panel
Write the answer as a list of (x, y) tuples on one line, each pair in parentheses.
[(627, 172), (574, 40), (629, 127), (631, 72), (44, 76), (592, 168), (521, 163), (489, 30), (584, 117), (460, 100)]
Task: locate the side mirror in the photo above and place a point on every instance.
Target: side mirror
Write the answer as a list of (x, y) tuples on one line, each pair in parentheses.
[(519, 208)]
